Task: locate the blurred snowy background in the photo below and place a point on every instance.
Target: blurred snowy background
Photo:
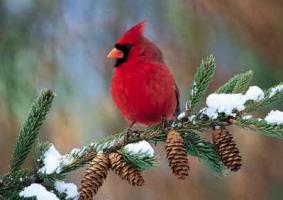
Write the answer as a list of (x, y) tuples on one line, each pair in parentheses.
[(63, 45)]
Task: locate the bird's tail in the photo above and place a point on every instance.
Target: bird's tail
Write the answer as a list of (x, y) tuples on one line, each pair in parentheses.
[(177, 109)]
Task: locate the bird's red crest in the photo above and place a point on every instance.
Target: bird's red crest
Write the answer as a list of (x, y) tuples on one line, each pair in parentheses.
[(133, 34)]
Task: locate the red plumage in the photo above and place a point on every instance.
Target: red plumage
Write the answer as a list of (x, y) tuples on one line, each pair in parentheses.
[(142, 86)]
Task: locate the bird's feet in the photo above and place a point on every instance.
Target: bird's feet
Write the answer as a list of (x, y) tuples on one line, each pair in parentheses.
[(127, 135), (129, 132), (163, 123)]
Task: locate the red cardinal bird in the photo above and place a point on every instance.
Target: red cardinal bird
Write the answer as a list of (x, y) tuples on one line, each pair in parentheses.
[(142, 86)]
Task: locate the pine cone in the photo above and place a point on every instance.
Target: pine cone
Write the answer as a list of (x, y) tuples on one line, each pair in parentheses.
[(94, 176), (227, 149), (124, 170), (177, 154)]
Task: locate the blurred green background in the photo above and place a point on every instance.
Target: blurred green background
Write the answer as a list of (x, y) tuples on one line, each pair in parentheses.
[(62, 45)]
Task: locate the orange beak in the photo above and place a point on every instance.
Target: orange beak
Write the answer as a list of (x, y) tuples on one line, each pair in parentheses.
[(115, 54)]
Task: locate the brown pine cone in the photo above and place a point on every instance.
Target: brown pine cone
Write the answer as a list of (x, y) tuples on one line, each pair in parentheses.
[(227, 149), (94, 176), (124, 170), (177, 154)]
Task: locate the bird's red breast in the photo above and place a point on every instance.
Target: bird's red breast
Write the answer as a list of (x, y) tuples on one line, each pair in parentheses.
[(142, 86)]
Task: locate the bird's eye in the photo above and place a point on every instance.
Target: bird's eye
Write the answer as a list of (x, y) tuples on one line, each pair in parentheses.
[(128, 46)]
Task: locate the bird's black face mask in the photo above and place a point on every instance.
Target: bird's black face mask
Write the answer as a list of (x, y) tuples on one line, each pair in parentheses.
[(125, 48)]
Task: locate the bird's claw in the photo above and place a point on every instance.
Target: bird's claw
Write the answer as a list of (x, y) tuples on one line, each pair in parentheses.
[(127, 135), (163, 123), (130, 133)]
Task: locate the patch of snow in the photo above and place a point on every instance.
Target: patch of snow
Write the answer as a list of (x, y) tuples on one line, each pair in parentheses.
[(254, 93), (142, 147), (70, 189), (66, 160), (38, 191), (275, 90), (246, 117), (75, 151), (51, 161), (274, 117), (192, 119), (194, 90), (224, 103), (230, 104), (217, 127), (181, 115), (187, 105)]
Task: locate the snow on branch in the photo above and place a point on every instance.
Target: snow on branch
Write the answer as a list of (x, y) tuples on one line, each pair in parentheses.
[(51, 161), (70, 190), (231, 104), (274, 117), (142, 147), (38, 191)]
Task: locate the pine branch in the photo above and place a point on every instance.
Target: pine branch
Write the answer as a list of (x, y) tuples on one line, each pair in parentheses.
[(197, 147), (30, 129), (243, 83), (82, 156), (201, 80), (238, 84), (40, 149), (14, 181), (271, 96), (261, 127), (205, 151), (139, 161)]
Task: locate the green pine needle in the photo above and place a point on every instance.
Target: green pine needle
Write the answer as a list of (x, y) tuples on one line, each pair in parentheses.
[(262, 127), (205, 151), (40, 149), (30, 129), (237, 84), (243, 82), (14, 182), (271, 96), (201, 81), (140, 161)]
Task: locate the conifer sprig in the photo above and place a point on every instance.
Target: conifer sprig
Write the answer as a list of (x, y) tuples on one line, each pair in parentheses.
[(201, 81), (30, 129), (271, 96), (140, 161), (205, 151), (261, 127), (238, 84)]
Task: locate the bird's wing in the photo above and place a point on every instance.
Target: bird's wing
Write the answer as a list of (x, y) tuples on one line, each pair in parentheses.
[(177, 93)]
